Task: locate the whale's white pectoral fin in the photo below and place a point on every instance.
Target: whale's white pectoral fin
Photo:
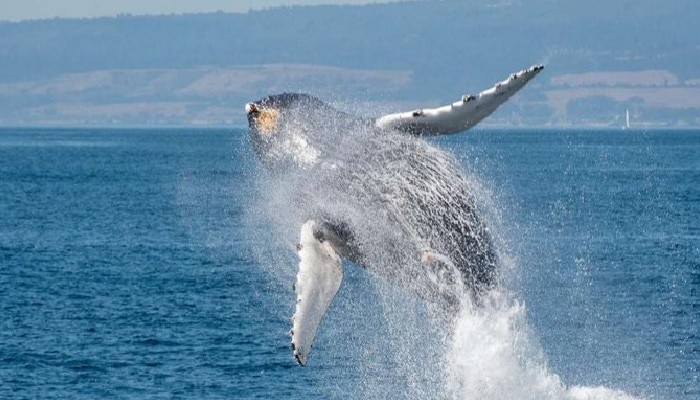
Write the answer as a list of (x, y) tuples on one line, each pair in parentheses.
[(318, 280), (461, 115)]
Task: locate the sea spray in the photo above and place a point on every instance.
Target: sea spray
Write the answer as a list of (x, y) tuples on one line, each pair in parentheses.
[(405, 349), (494, 355)]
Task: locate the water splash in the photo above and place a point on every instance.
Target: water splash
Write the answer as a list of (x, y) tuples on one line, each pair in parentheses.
[(487, 351), (495, 355)]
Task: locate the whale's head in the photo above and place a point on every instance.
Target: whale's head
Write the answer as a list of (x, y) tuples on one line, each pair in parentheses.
[(286, 129)]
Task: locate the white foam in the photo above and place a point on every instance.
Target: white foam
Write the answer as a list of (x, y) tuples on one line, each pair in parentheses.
[(494, 355)]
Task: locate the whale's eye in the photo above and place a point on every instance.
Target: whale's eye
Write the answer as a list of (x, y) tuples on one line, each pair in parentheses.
[(266, 120)]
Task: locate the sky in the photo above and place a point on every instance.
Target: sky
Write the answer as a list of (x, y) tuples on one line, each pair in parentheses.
[(18, 10)]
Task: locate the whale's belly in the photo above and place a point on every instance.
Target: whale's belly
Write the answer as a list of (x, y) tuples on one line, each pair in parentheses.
[(417, 201)]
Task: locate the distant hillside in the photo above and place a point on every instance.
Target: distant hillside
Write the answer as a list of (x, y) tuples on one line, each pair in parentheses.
[(600, 55), (201, 95)]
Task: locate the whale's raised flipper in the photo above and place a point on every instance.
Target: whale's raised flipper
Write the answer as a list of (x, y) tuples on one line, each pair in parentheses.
[(461, 115), (318, 280)]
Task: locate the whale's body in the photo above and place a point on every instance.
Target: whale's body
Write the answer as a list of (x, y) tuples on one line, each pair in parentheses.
[(373, 192)]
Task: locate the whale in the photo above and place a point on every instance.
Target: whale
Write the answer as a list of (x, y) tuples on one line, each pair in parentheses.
[(373, 192)]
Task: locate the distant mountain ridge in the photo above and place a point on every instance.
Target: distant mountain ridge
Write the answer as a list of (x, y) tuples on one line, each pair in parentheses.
[(436, 49)]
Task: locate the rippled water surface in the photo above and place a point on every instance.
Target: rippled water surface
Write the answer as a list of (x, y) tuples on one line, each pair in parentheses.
[(133, 264)]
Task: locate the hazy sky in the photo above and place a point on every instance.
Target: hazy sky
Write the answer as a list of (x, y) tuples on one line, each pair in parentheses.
[(17, 10)]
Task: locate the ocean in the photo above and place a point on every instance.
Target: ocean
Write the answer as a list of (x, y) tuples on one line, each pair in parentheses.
[(136, 264)]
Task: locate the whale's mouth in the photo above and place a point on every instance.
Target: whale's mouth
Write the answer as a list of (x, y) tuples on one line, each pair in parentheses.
[(262, 119)]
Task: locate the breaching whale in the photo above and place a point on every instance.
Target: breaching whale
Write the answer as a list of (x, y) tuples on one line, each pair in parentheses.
[(371, 191)]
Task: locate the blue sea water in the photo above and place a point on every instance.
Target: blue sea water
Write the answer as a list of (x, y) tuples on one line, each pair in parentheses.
[(131, 267)]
